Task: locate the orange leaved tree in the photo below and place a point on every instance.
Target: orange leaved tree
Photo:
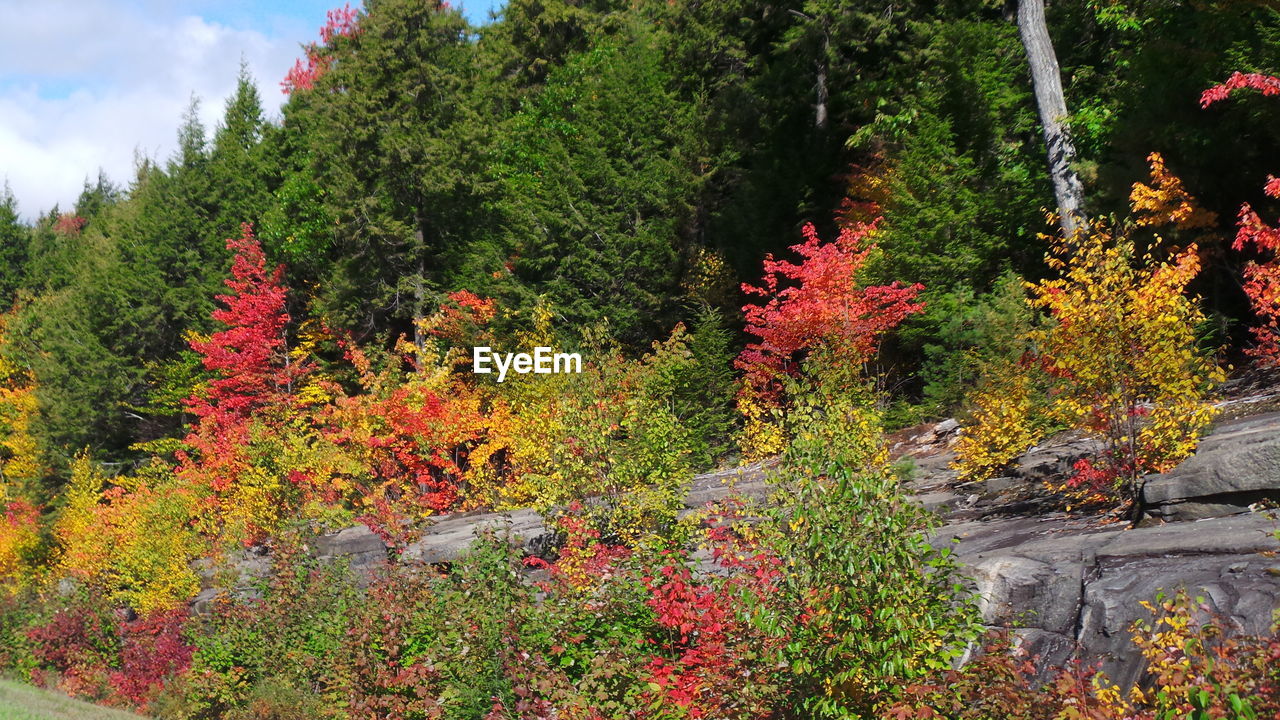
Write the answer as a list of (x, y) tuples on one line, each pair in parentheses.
[(1120, 353)]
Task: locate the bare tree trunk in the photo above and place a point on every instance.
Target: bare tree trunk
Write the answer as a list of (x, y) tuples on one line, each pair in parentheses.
[(419, 291), (820, 109), (820, 68), (1046, 80)]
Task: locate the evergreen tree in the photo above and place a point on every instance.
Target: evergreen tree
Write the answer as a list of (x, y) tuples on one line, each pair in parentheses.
[(239, 172), (599, 173), (14, 239), (394, 136)]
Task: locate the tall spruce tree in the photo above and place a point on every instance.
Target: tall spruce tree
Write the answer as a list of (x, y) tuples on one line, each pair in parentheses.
[(14, 239), (394, 135)]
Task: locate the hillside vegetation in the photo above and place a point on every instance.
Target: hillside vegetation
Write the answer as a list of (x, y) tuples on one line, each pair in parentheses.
[(767, 229)]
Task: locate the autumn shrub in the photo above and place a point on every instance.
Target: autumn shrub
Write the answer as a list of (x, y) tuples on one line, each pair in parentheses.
[(80, 642), (402, 448), (75, 645), (618, 433), (291, 630), (426, 644), (1195, 669), (872, 603), (19, 544), (1199, 668), (708, 635), (153, 651), (623, 634), (1121, 353), (1010, 402), (1001, 682), (129, 538), (1001, 422), (820, 301), (589, 638), (1124, 345)]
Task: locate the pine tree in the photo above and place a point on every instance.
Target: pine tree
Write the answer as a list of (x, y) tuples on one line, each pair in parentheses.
[(14, 241)]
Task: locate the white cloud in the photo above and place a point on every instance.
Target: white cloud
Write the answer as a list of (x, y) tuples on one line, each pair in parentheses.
[(84, 84)]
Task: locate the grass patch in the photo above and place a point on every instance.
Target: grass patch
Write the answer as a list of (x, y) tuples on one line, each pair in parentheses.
[(24, 702)]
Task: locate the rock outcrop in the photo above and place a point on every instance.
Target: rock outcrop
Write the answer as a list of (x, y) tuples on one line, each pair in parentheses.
[(1072, 587), (1235, 467)]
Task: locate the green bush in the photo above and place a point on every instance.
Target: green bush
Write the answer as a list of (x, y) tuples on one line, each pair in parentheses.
[(880, 606), (292, 634)]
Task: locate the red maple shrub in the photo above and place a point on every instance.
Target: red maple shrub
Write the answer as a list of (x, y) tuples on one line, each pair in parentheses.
[(820, 300), (708, 639), (77, 643), (152, 651)]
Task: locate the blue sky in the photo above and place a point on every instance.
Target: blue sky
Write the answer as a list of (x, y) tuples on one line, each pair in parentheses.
[(89, 84)]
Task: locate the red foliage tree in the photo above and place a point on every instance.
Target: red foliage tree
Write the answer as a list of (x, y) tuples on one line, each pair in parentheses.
[(253, 374), (250, 356), (342, 22), (820, 300), (1262, 279)]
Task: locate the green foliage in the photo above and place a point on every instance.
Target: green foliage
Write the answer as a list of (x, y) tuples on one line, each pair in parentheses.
[(597, 173), (625, 434), (961, 334), (285, 639), (115, 297), (277, 699), (883, 605), (14, 238), (964, 178), (615, 162), (392, 134), (703, 392)]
